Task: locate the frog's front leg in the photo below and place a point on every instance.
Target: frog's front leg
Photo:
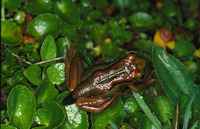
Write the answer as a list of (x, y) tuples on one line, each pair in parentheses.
[(95, 105)]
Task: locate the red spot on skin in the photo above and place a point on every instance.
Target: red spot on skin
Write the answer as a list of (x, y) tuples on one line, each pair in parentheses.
[(16, 32), (29, 38)]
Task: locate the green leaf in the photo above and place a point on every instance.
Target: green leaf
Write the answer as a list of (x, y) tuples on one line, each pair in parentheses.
[(67, 11), (61, 44), (12, 5), (131, 106), (48, 49), (5, 126), (10, 33), (33, 74), (188, 113), (39, 6), (50, 115), (144, 45), (62, 96), (146, 110), (114, 111), (164, 109), (76, 118), (43, 25), (141, 21), (183, 49), (70, 32), (21, 107), (45, 92), (176, 78), (134, 120), (168, 11), (100, 120), (56, 73), (146, 123)]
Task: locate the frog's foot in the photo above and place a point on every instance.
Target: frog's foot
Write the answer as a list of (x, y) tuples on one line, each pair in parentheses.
[(95, 105), (145, 82)]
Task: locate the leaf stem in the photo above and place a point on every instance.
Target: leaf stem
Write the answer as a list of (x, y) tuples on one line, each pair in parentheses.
[(3, 9)]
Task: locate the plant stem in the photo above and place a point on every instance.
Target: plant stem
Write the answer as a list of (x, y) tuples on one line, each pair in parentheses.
[(3, 9)]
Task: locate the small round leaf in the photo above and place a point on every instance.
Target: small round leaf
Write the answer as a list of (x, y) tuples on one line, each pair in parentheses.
[(45, 92), (76, 118), (48, 49), (10, 33), (39, 6), (56, 73), (50, 115), (33, 74), (21, 107), (43, 25)]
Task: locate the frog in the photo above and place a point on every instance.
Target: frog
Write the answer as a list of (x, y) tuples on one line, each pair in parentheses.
[(97, 88)]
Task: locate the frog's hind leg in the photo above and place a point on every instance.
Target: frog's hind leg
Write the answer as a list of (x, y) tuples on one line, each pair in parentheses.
[(95, 105)]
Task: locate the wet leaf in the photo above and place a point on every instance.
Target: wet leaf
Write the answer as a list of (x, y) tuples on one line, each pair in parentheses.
[(45, 92), (50, 115), (43, 25), (10, 33), (56, 73), (48, 49), (67, 11), (100, 120), (21, 106), (131, 106), (5, 126), (76, 118), (33, 74), (39, 6), (12, 5), (176, 78), (164, 109), (141, 21)]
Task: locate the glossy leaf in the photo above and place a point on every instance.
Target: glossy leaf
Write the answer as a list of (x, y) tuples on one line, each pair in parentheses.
[(21, 107), (100, 120), (10, 33), (188, 112), (56, 73), (183, 49), (135, 119), (131, 106), (50, 115), (67, 11), (69, 32), (145, 123), (146, 109), (43, 25), (141, 21), (164, 109), (45, 92), (5, 126), (39, 6), (176, 78), (61, 44), (12, 5), (168, 11), (114, 111), (33, 74), (62, 96), (144, 45), (76, 118), (48, 49)]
